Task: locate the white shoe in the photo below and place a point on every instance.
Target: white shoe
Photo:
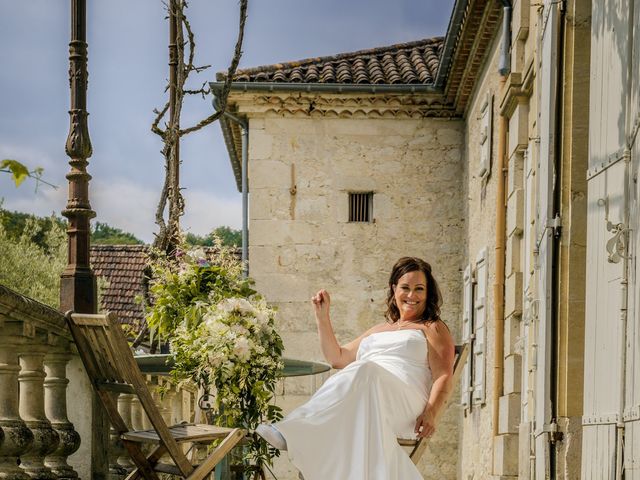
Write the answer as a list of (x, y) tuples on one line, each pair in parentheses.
[(272, 436)]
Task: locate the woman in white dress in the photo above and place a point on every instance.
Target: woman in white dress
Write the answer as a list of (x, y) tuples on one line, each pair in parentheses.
[(394, 382)]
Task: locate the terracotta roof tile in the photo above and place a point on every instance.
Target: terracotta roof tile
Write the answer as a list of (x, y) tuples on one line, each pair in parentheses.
[(123, 267), (405, 63)]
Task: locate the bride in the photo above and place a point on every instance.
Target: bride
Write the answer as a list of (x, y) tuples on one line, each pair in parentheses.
[(394, 382)]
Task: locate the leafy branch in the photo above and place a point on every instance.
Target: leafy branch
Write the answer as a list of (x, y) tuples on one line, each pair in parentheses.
[(19, 172)]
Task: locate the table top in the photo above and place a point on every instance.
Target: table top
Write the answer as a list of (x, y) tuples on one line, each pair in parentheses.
[(161, 364)]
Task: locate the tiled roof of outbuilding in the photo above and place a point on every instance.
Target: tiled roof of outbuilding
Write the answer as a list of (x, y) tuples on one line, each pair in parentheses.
[(405, 63), (123, 267)]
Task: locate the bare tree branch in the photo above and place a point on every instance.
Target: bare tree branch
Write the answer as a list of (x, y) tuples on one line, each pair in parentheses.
[(230, 73), (159, 115)]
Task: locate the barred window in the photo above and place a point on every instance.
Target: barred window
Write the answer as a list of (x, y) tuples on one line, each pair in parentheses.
[(361, 207)]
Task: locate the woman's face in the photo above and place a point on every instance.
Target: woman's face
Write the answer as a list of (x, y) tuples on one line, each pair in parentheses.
[(410, 294)]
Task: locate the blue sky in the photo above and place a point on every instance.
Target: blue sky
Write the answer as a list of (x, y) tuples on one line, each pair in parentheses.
[(127, 75)]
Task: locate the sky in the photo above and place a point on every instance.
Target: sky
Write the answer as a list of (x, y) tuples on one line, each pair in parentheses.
[(127, 75)]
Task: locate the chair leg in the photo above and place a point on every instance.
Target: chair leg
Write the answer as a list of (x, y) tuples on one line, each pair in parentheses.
[(153, 459), (218, 454), (417, 452), (143, 467)]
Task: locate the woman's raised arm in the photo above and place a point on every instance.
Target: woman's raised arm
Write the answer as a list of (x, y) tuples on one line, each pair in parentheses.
[(337, 356)]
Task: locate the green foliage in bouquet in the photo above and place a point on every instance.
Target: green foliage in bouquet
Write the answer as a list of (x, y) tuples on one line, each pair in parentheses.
[(223, 338)]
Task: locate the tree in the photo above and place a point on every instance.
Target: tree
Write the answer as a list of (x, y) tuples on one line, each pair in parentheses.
[(15, 224), (103, 234), (181, 60), (32, 263), (229, 236)]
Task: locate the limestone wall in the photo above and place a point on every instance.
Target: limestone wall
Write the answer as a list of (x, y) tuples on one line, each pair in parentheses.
[(301, 171), (480, 210)]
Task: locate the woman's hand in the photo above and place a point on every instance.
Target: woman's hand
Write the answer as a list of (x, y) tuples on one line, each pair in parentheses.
[(321, 302), (425, 423)]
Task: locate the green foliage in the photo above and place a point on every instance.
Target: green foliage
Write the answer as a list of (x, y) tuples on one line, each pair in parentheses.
[(185, 283), (15, 224), (19, 172), (32, 261), (229, 237), (222, 335), (103, 234)]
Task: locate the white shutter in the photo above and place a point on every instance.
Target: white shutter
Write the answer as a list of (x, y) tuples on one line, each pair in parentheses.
[(479, 317), (486, 123), (467, 329)]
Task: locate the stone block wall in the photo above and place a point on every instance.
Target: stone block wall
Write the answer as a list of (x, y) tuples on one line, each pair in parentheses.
[(301, 171), (476, 440)]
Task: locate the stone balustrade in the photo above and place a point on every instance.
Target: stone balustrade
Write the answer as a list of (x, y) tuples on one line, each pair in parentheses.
[(36, 436), (43, 385)]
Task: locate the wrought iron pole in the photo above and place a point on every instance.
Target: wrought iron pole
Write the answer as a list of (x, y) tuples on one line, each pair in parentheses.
[(78, 290), (78, 283)]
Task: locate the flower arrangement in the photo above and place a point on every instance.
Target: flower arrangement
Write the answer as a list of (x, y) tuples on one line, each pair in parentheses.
[(222, 336)]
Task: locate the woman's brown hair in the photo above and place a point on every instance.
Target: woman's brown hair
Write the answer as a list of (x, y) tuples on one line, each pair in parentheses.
[(434, 298)]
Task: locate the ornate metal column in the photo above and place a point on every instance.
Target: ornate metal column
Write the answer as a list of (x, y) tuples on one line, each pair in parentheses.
[(78, 291), (78, 284)]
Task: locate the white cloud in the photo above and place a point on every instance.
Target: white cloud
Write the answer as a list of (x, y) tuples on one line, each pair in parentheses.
[(131, 207), (204, 211)]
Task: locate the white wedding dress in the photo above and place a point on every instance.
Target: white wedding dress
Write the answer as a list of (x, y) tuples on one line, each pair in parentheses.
[(348, 430)]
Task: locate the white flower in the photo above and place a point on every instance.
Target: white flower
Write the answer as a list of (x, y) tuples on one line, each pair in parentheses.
[(242, 349), (262, 317), (215, 359), (197, 254), (239, 330)]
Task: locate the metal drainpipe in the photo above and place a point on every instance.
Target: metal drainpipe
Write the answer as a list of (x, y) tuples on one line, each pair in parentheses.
[(556, 244), (504, 67), (244, 125), (624, 284), (502, 169)]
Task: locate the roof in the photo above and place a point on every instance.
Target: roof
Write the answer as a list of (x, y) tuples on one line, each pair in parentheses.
[(404, 63), (444, 69), (123, 267)]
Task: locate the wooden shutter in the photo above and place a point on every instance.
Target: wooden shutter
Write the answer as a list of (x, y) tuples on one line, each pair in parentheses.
[(479, 330), (486, 123), (467, 335)]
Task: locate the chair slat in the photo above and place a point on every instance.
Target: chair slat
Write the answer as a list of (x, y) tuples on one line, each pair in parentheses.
[(112, 369)]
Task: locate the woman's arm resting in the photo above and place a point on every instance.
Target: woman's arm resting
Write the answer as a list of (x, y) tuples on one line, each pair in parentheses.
[(441, 359)]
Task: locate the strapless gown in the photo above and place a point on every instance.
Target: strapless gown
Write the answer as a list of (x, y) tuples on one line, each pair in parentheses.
[(348, 430)]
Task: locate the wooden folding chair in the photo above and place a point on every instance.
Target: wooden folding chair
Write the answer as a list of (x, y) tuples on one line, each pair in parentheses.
[(419, 446), (112, 369)]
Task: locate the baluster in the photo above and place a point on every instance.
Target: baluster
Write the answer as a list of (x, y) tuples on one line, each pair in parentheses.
[(55, 405), (124, 408), (163, 401), (15, 437), (116, 450), (137, 414), (45, 438)]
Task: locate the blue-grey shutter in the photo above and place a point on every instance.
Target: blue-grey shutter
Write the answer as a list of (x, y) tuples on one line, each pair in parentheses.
[(467, 335), (479, 330)]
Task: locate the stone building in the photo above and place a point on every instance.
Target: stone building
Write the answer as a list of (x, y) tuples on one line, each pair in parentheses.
[(355, 160), (516, 133)]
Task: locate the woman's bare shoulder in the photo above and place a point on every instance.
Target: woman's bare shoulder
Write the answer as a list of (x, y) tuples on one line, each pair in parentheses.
[(438, 332)]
